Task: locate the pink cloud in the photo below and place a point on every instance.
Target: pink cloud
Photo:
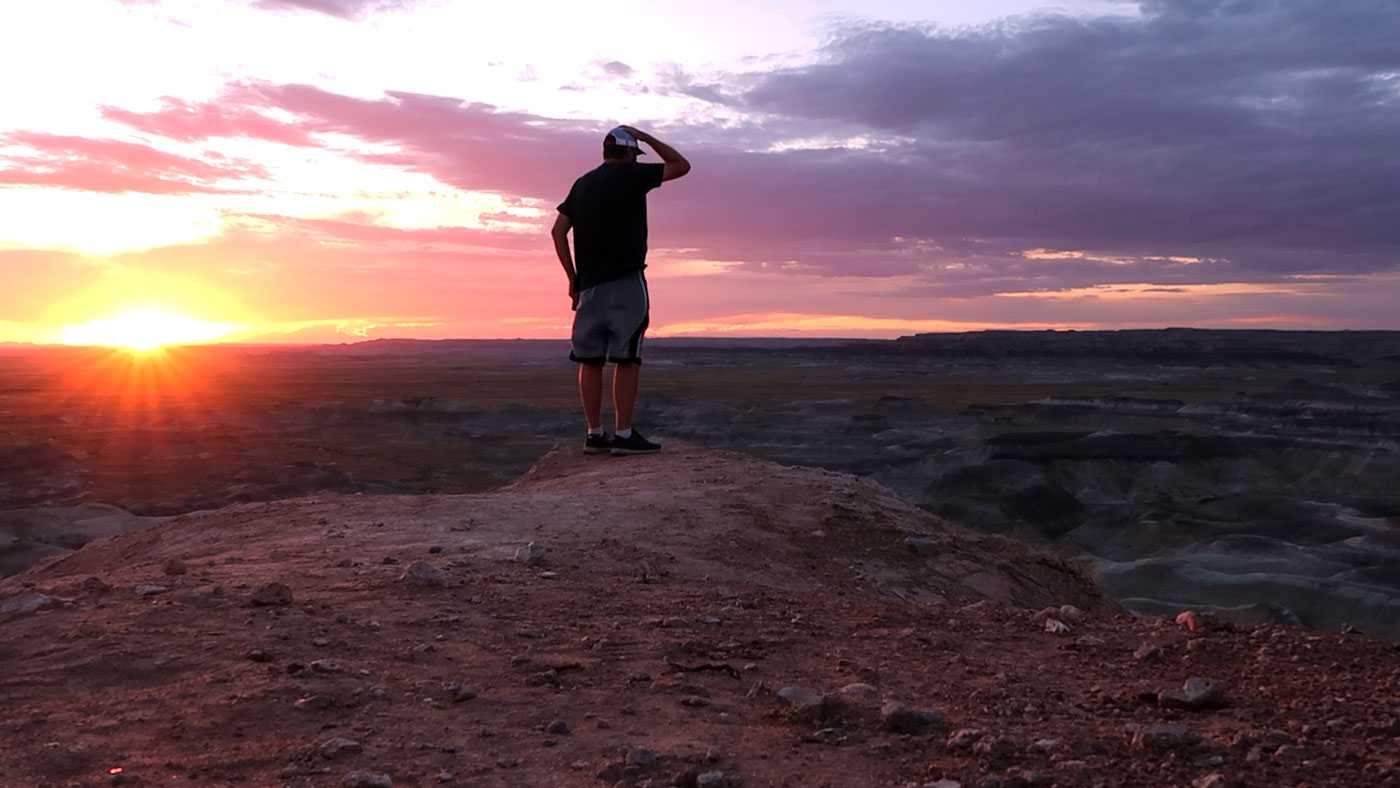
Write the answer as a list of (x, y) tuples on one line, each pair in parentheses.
[(188, 121), (114, 166)]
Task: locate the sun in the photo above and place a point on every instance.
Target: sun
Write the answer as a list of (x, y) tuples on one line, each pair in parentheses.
[(144, 329)]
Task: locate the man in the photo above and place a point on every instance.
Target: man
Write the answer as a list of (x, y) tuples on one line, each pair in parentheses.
[(607, 210)]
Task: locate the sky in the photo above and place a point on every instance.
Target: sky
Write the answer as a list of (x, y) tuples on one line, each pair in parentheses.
[(339, 170)]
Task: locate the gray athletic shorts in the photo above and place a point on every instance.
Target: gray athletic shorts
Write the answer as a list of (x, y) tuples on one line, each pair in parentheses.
[(611, 319)]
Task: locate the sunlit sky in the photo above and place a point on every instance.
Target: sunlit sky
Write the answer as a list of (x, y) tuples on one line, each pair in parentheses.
[(335, 170)]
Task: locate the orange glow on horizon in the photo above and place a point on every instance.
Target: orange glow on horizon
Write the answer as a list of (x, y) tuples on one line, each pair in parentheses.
[(144, 329)]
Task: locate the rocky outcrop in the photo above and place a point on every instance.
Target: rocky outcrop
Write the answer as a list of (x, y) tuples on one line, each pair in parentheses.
[(692, 618)]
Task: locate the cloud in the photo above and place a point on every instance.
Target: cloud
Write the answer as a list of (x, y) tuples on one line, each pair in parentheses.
[(1195, 124), (113, 166), (345, 9), (1196, 143), (616, 68), (187, 121)]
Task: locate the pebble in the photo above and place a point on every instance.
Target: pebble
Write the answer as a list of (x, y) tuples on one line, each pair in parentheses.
[(174, 567), (1196, 694), (920, 545), (334, 748), (557, 728), (460, 693), (898, 718), (424, 574), (151, 590), (530, 554), (1214, 780), (1071, 613), (964, 738), (316, 702), (359, 779), (994, 747), (95, 585), (642, 758), (859, 693), (711, 780), (1164, 737), (1147, 652), (804, 703), (272, 595)]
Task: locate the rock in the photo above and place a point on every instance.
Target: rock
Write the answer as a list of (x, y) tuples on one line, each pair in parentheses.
[(325, 666), (642, 758), (943, 783), (1289, 753), (1015, 777), (435, 549), (964, 738), (898, 718), (460, 693), (1147, 653), (174, 567), (339, 746), (1071, 613), (257, 655), (711, 780), (531, 554), (920, 545), (807, 705), (424, 575), (557, 728), (1196, 622), (272, 595), (361, 779), (151, 590), (1045, 746), (95, 585), (1056, 627), (26, 603), (1213, 780), (859, 694), (994, 747), (1164, 737), (1197, 694), (316, 702)]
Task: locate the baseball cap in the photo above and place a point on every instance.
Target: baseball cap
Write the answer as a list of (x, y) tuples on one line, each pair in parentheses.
[(622, 138)]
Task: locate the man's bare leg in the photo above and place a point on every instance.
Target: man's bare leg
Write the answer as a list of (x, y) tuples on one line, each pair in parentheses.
[(590, 390), (625, 381)]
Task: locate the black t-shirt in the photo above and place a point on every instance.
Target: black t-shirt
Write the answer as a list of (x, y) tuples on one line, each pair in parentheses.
[(608, 209)]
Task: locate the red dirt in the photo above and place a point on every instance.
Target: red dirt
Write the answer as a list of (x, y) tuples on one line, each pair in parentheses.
[(677, 594)]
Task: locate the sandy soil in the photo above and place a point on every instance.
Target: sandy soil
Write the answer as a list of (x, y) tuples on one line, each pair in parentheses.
[(664, 603)]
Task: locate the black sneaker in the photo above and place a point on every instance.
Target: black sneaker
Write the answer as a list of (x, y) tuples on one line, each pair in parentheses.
[(634, 444), (597, 444)]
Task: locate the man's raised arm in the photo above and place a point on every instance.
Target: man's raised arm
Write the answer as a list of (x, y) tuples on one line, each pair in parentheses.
[(676, 164)]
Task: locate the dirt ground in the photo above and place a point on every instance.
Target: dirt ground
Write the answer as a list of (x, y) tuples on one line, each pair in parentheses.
[(631, 620)]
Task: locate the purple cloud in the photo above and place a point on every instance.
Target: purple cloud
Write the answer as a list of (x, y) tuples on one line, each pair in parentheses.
[(1252, 139)]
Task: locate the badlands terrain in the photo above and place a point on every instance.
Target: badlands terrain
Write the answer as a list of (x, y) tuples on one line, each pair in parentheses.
[(1247, 473), (695, 618)]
